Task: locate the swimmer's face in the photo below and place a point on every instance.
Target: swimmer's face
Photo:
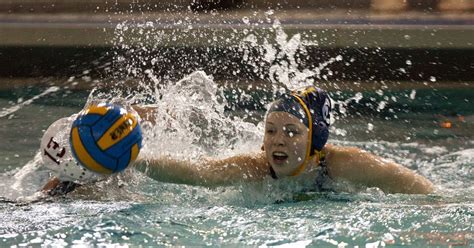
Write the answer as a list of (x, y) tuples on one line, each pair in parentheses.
[(285, 142)]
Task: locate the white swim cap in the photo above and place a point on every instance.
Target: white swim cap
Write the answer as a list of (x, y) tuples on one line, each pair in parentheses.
[(56, 153)]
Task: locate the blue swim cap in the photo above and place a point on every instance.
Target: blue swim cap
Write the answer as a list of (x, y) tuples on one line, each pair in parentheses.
[(313, 101)]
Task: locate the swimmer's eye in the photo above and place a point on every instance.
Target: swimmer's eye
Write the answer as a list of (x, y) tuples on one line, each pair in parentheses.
[(292, 133), (270, 131)]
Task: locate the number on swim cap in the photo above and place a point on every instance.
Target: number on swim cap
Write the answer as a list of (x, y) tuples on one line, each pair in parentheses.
[(57, 157), (326, 106)]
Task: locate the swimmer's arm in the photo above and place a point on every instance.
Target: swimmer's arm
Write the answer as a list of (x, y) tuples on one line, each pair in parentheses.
[(50, 185), (209, 172), (146, 113), (56, 187), (360, 167)]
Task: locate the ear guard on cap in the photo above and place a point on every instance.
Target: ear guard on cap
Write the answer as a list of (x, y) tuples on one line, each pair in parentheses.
[(318, 104)]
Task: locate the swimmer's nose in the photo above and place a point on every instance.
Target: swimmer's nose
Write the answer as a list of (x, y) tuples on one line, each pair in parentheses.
[(279, 139)]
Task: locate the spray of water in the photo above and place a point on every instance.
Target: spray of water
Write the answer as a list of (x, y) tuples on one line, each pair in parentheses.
[(196, 115), (191, 112)]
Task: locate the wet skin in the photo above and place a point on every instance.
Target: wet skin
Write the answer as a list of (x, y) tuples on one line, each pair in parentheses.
[(285, 142)]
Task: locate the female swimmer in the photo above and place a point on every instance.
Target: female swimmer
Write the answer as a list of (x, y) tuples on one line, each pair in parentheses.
[(294, 148)]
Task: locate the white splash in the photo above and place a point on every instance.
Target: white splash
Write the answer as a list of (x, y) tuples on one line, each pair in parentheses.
[(25, 183), (280, 53), (190, 117)]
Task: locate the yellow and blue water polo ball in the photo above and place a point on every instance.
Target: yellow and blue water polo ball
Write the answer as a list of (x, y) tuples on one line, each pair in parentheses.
[(106, 138)]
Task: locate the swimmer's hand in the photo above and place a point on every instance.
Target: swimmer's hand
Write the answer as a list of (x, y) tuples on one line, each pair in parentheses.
[(56, 187), (51, 184), (146, 113)]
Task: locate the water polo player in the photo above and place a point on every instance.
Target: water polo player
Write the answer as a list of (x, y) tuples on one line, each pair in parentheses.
[(296, 132), (57, 157)]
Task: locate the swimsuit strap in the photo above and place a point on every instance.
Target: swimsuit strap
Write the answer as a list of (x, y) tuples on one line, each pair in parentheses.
[(322, 159), (323, 173)]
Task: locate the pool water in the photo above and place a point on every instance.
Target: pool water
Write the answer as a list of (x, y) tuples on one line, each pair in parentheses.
[(425, 126), (131, 209)]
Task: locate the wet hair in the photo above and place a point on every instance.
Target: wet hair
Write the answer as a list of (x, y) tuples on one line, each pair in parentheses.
[(313, 101)]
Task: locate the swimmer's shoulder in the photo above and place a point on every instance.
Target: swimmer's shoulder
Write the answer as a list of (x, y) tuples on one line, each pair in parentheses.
[(339, 154), (330, 149), (341, 159)]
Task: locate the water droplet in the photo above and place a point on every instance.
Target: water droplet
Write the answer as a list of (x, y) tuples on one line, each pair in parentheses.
[(381, 106), (370, 126), (412, 94)]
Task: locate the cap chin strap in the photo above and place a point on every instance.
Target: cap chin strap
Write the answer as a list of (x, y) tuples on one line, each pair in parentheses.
[(307, 157)]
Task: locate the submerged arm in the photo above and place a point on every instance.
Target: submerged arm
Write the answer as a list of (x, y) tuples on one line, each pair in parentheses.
[(57, 187), (209, 172), (360, 167)]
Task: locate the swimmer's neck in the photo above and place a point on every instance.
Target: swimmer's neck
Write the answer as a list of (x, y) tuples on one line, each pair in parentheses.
[(310, 173), (314, 163)]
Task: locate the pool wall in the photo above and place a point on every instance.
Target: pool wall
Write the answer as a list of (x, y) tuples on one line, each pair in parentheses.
[(66, 39)]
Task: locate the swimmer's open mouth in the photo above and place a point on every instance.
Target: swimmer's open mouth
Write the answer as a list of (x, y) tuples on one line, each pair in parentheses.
[(279, 156)]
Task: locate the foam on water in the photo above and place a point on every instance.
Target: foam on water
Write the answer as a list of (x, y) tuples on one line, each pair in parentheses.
[(454, 172)]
